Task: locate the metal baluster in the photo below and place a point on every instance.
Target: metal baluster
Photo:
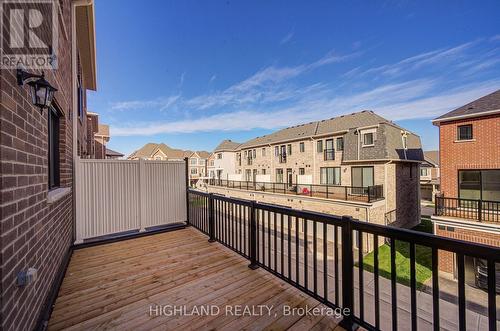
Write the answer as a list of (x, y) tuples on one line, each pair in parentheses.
[(361, 282), (413, 288), (461, 292), (325, 262), (376, 281), (315, 258), (435, 288), (394, 298)]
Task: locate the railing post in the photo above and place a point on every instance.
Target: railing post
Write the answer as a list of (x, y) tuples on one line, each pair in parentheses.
[(211, 218), (187, 189), (253, 237), (347, 275), (479, 210), (345, 191)]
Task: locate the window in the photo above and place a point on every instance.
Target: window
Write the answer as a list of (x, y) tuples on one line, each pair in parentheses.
[(53, 125), (263, 151), (263, 171), (246, 153), (212, 163), (464, 132), (330, 176), (276, 151), (193, 161), (194, 171), (319, 146), (368, 139), (254, 153), (248, 175), (157, 157), (302, 171), (302, 147), (289, 149), (279, 175), (202, 162), (329, 151), (219, 156), (424, 172), (362, 176), (340, 144), (479, 184)]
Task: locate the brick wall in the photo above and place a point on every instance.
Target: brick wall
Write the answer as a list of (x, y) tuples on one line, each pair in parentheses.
[(446, 259), (33, 233), (482, 153)]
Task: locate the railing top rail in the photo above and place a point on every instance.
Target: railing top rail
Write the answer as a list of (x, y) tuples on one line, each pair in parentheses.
[(416, 237)]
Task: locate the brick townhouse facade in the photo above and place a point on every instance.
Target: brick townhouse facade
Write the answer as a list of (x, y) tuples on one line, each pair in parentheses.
[(469, 139), (37, 151), (357, 150)]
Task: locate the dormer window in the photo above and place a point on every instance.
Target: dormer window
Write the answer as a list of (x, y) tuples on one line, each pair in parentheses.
[(368, 139)]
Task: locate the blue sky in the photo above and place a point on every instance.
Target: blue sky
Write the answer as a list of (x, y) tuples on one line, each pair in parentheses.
[(191, 73)]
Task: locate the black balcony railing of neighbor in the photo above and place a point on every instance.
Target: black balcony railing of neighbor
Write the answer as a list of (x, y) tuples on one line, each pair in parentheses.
[(478, 210), (348, 193)]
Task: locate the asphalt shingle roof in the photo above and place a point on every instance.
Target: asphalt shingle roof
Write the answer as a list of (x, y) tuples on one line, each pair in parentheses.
[(477, 107), (227, 145)]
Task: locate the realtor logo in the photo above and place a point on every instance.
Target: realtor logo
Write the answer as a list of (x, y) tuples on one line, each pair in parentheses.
[(29, 34)]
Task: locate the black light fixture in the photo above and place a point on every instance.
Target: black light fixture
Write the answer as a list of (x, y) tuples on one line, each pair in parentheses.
[(41, 91)]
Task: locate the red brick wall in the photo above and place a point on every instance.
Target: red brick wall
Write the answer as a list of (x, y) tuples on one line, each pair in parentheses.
[(483, 153), (33, 233), (446, 259)]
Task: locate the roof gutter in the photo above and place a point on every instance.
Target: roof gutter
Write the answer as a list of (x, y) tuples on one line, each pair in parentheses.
[(453, 118)]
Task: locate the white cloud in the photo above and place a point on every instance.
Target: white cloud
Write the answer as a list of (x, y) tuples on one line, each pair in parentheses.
[(287, 38), (271, 98), (158, 104)]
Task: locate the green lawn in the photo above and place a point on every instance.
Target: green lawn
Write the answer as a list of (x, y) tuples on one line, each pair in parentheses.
[(423, 259)]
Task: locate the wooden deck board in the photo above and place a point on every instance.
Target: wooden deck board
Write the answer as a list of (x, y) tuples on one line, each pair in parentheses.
[(113, 286)]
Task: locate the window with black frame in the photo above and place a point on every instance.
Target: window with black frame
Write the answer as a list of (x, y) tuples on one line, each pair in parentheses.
[(464, 132), (53, 146), (479, 184)]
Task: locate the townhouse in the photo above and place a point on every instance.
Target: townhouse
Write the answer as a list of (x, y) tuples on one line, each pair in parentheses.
[(197, 164), (39, 142), (222, 162), (469, 206), (342, 158), (430, 176)]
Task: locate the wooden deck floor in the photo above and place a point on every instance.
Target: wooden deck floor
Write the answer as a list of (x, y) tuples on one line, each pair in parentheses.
[(120, 285)]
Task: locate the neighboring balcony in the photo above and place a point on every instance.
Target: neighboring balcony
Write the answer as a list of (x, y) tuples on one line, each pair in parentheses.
[(282, 158), (468, 209), (334, 192), (329, 154), (249, 161)]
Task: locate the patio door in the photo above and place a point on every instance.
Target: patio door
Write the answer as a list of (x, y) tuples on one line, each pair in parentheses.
[(362, 177), (289, 177)]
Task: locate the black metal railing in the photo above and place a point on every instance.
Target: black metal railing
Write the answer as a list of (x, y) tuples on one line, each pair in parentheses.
[(347, 193), (480, 210), (282, 158), (329, 154), (323, 256), (249, 161)]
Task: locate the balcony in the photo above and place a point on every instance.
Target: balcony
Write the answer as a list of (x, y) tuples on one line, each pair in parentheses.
[(468, 209), (346, 193), (249, 161), (282, 158), (329, 154), (239, 253)]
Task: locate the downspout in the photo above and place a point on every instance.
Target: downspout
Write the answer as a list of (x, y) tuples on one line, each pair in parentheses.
[(385, 188), (74, 73)]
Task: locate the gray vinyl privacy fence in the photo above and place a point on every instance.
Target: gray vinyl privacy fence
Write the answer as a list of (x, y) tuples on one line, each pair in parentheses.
[(115, 196)]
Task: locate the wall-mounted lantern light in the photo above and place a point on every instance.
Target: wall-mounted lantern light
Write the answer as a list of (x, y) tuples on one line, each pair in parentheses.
[(41, 91)]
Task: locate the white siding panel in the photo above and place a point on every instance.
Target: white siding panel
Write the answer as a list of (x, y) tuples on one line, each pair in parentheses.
[(121, 195)]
